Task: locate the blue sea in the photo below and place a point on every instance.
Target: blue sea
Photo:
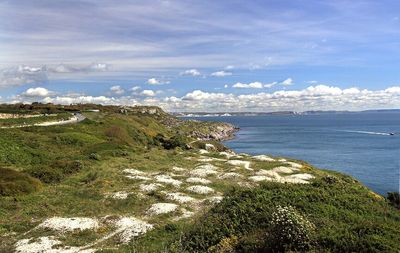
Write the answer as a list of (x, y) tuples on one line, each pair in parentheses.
[(358, 144)]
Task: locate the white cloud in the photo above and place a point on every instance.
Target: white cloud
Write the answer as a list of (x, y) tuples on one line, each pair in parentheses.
[(269, 85), (148, 93), (226, 86), (135, 88), (155, 81), (117, 90), (79, 99), (221, 74), (190, 72), (22, 74), (229, 67), (395, 89), (287, 82), (36, 92), (320, 97), (254, 85), (75, 68)]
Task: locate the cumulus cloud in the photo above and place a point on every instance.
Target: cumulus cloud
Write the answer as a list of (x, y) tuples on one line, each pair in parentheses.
[(36, 92), (190, 72), (117, 90), (79, 100), (155, 81), (254, 85), (320, 97), (221, 74), (148, 93), (287, 82), (22, 74), (135, 88)]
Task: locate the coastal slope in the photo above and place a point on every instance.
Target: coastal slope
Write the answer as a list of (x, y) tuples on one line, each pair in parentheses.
[(137, 179)]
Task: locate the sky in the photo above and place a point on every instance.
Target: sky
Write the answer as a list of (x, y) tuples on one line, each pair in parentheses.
[(208, 56)]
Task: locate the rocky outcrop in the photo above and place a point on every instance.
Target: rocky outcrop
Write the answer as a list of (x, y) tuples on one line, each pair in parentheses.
[(217, 131)]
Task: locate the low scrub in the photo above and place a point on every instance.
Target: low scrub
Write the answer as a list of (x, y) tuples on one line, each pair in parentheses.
[(14, 183), (337, 215)]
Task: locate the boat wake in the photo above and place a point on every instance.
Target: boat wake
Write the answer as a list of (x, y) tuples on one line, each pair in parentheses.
[(366, 132)]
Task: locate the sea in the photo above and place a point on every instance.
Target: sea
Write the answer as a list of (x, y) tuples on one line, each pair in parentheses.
[(357, 144)]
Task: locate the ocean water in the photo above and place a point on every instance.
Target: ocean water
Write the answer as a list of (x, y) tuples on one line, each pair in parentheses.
[(358, 144)]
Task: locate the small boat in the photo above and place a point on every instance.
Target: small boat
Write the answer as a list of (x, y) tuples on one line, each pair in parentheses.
[(391, 133)]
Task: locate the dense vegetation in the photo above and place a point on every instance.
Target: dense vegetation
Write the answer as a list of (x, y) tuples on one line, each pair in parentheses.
[(334, 214)]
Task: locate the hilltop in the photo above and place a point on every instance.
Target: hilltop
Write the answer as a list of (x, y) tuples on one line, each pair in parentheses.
[(136, 179)]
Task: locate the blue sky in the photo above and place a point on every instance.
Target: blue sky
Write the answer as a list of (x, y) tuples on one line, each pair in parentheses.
[(203, 55)]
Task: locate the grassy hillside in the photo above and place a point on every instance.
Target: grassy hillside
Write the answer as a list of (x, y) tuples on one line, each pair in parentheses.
[(137, 180)]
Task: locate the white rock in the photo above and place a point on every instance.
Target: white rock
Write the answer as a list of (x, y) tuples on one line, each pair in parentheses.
[(284, 170), (282, 160), (304, 176), (260, 178), (245, 164), (215, 199), (130, 227), (167, 180), (204, 170), (138, 177), (178, 169), (161, 208), (268, 173), (200, 189), (210, 146), (230, 175), (118, 195), (263, 158), (149, 187), (180, 197), (295, 165), (228, 155), (210, 159), (134, 172), (46, 245), (203, 151), (198, 180), (69, 224)]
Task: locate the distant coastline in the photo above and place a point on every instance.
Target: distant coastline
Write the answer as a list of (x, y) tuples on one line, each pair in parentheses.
[(228, 114)]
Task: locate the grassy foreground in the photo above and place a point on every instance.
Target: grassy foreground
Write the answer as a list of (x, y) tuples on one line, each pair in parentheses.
[(86, 169)]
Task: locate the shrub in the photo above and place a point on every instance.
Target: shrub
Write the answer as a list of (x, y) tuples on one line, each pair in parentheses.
[(94, 156), (175, 141), (394, 199), (289, 230), (46, 174), (13, 183), (67, 167)]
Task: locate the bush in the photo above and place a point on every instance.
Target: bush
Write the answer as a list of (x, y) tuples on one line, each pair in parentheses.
[(174, 142), (94, 156), (46, 174), (13, 183), (394, 199), (289, 231), (67, 167)]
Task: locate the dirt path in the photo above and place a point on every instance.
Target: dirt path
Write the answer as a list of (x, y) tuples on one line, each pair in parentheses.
[(74, 119)]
